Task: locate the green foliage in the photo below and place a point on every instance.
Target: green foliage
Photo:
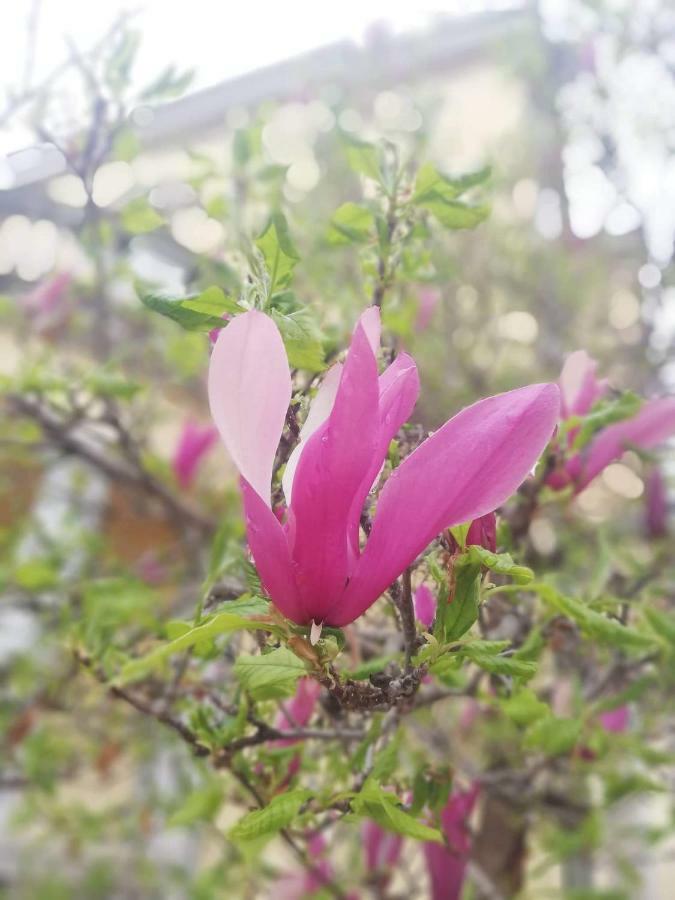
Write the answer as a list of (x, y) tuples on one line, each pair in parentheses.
[(279, 813), (383, 807), (351, 224), (438, 194), (278, 252), (270, 676)]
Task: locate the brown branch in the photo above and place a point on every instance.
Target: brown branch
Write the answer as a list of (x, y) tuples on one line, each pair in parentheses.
[(60, 431)]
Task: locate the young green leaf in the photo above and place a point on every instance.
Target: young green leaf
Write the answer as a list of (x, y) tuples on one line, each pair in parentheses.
[(384, 808), (351, 224), (279, 253), (270, 676), (278, 814)]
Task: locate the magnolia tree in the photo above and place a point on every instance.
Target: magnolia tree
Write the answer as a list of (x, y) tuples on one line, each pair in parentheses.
[(398, 660)]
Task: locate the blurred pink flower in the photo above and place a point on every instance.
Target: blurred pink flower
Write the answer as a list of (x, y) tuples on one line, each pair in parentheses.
[(304, 883), (428, 300), (580, 388), (615, 720), (382, 850), (312, 566), (297, 712), (656, 496), (193, 444), (425, 605), (447, 865), (47, 305)]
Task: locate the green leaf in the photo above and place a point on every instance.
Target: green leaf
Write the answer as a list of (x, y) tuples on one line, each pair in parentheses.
[(271, 675), (279, 253), (199, 805), (384, 808), (174, 308), (351, 224), (456, 215), (362, 157), (661, 623), (498, 665), (524, 707), (222, 623), (502, 563), (138, 217), (553, 736), (462, 611), (432, 185), (303, 344), (278, 814), (606, 412), (213, 302), (594, 624)]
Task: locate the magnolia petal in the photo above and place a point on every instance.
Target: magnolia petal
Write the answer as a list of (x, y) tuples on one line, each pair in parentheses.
[(425, 606), (371, 324), (399, 387), (272, 557), (249, 390), (332, 467), (319, 410), (464, 470), (650, 427), (579, 385)]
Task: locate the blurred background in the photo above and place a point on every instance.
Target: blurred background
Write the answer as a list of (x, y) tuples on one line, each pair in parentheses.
[(140, 150)]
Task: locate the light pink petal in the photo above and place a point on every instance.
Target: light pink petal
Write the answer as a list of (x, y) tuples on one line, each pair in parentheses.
[(270, 551), (370, 322), (194, 443), (463, 471), (429, 298), (332, 467), (382, 850), (297, 712), (249, 392), (319, 410), (399, 387), (425, 605), (579, 385), (650, 427)]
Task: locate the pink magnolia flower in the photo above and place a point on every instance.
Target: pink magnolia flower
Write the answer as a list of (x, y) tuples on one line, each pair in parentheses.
[(297, 712), (656, 496), (312, 566), (47, 304), (615, 720), (580, 388), (425, 605), (428, 300), (382, 850), (307, 882), (447, 865), (194, 443)]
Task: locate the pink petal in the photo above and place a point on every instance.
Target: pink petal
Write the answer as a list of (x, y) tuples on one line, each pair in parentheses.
[(370, 322), (429, 298), (615, 720), (425, 605), (194, 443), (249, 392), (269, 548), (320, 409), (382, 850), (297, 712), (332, 467), (579, 384), (650, 427), (463, 471), (399, 387), (447, 867)]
